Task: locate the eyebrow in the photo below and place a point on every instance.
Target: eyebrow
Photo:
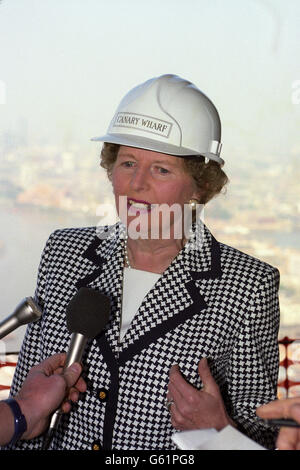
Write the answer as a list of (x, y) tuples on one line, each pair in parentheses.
[(160, 162)]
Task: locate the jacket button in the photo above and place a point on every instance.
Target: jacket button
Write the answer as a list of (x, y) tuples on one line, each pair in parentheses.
[(96, 445), (102, 394)]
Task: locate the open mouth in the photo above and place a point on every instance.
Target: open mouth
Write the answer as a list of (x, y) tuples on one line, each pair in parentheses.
[(141, 206)]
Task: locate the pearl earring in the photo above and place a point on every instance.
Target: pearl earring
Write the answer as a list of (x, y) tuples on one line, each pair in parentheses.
[(193, 205)]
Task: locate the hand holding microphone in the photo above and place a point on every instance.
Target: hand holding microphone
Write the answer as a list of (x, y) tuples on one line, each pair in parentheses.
[(41, 393), (87, 315)]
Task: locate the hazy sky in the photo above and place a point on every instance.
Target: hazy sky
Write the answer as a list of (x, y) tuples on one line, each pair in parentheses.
[(65, 64)]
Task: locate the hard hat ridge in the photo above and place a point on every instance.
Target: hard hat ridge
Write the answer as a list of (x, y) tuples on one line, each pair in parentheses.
[(170, 115)]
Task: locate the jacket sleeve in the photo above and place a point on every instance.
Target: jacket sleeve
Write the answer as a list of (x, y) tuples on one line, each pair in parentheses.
[(30, 352), (253, 371)]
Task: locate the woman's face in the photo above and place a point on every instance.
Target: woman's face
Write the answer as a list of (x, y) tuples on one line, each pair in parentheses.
[(148, 178)]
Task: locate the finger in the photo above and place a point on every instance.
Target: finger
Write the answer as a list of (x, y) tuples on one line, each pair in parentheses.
[(49, 365), (274, 409), (72, 373), (181, 393), (177, 381), (66, 407), (184, 404), (175, 394), (74, 395), (81, 385), (74, 392), (59, 370), (208, 381), (288, 439), (55, 361)]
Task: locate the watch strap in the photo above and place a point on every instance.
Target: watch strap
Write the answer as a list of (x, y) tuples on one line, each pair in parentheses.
[(19, 420)]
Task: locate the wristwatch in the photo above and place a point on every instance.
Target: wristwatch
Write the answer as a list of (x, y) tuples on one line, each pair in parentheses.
[(19, 418)]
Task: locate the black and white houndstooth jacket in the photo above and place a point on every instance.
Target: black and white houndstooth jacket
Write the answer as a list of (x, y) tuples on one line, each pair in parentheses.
[(213, 302)]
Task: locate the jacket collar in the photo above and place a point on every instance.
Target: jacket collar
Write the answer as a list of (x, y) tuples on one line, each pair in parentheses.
[(199, 259), (200, 255)]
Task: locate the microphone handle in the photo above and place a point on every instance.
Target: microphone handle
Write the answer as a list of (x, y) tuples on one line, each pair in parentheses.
[(8, 325), (75, 352), (76, 349)]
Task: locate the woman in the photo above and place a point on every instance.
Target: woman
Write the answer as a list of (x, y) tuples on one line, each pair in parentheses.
[(178, 297)]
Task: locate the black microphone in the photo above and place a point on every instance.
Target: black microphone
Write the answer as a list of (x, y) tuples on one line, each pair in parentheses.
[(87, 315), (26, 312)]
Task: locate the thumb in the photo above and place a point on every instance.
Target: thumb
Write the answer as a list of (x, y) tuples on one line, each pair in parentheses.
[(72, 374), (208, 381)]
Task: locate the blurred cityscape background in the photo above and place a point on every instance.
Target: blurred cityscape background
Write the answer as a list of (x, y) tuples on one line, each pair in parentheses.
[(65, 65)]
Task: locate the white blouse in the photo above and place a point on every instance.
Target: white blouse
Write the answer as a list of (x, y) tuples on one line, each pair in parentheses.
[(136, 285)]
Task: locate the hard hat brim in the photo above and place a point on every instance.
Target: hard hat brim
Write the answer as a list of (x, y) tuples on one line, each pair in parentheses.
[(155, 146)]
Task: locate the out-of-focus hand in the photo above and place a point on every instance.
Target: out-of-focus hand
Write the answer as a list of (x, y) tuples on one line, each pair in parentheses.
[(46, 389), (288, 438), (196, 409)]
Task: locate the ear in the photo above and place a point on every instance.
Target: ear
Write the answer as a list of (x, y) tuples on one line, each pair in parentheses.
[(197, 195)]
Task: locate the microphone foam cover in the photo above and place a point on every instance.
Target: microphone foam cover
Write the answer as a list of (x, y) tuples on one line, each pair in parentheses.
[(88, 312)]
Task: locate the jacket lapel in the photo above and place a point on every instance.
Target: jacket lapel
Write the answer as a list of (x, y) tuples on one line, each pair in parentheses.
[(106, 252), (174, 298)]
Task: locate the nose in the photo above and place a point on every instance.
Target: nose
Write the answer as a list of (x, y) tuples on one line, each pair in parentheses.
[(139, 179)]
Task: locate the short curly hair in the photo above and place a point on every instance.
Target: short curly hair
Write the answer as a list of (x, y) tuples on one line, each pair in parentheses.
[(209, 177)]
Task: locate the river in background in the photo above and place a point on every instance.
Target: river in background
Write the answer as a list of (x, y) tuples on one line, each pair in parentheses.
[(23, 234)]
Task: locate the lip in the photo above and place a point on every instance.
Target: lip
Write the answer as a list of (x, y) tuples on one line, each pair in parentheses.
[(132, 208), (138, 201)]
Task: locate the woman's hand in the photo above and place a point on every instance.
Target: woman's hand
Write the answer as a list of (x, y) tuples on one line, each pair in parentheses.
[(196, 409)]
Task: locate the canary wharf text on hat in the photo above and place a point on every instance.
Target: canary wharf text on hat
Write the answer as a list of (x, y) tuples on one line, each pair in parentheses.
[(140, 122)]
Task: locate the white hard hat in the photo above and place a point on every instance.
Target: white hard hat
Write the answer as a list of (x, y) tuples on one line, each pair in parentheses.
[(170, 115)]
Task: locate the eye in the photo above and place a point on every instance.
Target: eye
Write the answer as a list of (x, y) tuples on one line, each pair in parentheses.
[(162, 171), (127, 164)]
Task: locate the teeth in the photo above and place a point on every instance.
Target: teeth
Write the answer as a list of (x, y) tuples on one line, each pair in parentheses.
[(141, 205)]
